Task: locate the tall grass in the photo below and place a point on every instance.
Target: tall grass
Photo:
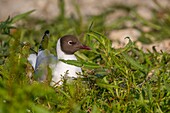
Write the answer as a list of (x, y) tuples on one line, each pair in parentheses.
[(114, 80)]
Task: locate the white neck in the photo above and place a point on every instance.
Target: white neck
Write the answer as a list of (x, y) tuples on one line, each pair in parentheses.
[(62, 55)]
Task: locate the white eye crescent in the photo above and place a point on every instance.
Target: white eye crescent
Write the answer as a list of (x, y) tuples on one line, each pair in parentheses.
[(70, 42)]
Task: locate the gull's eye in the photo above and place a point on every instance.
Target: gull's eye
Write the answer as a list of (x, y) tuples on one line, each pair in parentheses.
[(71, 43)]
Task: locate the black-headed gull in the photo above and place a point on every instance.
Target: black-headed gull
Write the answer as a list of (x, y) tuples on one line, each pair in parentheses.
[(66, 47)]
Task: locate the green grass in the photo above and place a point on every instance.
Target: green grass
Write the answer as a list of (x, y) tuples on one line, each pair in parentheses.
[(115, 80)]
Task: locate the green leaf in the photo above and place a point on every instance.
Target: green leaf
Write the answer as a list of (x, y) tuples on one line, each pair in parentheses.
[(21, 16), (132, 61), (107, 85), (126, 48), (96, 37), (81, 56), (64, 93), (81, 64), (90, 65), (72, 62), (167, 86), (39, 109)]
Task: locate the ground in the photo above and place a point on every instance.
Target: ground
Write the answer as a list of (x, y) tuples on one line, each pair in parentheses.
[(48, 10)]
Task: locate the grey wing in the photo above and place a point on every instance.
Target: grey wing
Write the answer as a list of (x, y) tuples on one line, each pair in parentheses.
[(43, 60), (52, 62)]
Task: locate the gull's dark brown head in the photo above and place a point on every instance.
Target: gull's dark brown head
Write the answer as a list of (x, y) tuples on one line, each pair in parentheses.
[(70, 44)]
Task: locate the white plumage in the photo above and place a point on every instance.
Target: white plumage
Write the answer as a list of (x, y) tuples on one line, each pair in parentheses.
[(59, 68), (62, 69)]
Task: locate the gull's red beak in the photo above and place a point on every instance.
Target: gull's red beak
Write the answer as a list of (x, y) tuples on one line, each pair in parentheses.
[(85, 47)]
